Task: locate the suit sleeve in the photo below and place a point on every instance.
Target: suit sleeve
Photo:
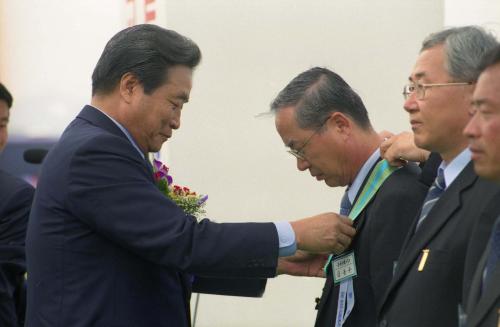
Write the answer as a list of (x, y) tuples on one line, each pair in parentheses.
[(15, 207), (249, 287), (111, 190)]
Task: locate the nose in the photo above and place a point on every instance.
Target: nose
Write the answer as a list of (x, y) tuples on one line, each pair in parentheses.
[(411, 103), (175, 122), (471, 130), (302, 164)]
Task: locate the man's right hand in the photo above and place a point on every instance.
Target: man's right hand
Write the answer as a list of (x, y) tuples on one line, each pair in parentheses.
[(324, 233)]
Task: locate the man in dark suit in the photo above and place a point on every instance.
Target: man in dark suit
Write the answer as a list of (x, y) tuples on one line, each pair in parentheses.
[(325, 124), (15, 203), (104, 246), (426, 289), (483, 130)]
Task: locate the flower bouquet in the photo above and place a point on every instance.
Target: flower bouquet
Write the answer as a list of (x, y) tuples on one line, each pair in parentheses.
[(192, 203)]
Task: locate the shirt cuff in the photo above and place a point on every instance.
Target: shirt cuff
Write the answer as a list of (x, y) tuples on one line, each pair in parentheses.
[(286, 236)]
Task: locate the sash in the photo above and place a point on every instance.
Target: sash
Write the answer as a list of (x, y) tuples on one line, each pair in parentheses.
[(377, 177)]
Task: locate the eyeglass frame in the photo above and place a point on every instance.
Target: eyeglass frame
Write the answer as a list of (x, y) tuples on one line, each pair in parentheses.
[(407, 93), (299, 153)]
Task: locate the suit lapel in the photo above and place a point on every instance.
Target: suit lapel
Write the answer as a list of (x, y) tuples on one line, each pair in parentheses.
[(444, 209), (479, 309), (475, 288), (99, 119)]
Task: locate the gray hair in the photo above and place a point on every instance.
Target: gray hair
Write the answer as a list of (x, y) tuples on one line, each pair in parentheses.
[(318, 92), (464, 48)]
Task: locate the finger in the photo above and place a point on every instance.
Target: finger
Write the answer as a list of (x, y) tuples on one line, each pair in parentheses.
[(385, 145), (339, 248), (345, 220), (344, 240), (385, 134), (347, 229)]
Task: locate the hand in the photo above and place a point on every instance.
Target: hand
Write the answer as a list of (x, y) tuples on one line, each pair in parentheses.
[(302, 264), (399, 149), (324, 233), (384, 135)]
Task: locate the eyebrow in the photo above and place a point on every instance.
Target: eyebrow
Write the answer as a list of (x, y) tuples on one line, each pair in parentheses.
[(290, 144), (183, 97), (417, 76), (478, 102)]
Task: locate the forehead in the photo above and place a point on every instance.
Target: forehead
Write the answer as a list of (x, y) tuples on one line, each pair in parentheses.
[(488, 85), (430, 64), (180, 76), (4, 111), (178, 83), (286, 125)]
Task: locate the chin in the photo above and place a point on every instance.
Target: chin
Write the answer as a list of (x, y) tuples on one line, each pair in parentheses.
[(488, 173), (332, 183)]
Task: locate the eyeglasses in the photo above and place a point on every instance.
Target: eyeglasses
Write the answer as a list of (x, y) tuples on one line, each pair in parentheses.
[(299, 153), (419, 88)]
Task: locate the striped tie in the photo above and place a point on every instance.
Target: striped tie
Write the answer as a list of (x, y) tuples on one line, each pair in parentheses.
[(437, 188), (345, 205)]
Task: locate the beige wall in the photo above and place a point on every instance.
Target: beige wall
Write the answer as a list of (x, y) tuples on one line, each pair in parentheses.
[(251, 50)]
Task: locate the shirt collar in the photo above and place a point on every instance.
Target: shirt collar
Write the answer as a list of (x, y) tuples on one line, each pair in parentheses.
[(455, 166), (353, 189), (124, 130)]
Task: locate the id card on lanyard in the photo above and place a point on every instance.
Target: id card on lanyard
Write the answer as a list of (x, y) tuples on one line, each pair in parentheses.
[(344, 265)]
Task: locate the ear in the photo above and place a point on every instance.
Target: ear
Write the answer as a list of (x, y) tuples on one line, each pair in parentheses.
[(129, 86), (340, 123)]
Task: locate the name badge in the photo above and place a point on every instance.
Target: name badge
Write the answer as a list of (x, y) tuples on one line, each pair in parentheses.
[(344, 267)]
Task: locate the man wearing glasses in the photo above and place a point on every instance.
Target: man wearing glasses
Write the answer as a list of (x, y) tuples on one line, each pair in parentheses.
[(325, 125), (427, 286)]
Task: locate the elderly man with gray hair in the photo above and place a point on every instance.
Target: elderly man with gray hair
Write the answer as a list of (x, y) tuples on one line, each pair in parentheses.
[(427, 286)]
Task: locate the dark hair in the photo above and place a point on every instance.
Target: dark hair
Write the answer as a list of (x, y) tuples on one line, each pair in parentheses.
[(147, 51), (5, 95), (318, 92), (464, 46), (491, 58)]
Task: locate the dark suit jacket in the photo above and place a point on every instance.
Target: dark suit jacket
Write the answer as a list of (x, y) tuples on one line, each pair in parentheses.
[(483, 310), (478, 242), (381, 228), (431, 297), (106, 248), (15, 203)]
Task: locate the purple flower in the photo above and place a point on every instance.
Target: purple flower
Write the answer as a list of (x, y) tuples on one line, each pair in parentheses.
[(161, 172), (203, 200)]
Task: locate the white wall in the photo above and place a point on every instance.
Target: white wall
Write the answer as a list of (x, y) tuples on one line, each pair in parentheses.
[(251, 50), (48, 50), (479, 12)]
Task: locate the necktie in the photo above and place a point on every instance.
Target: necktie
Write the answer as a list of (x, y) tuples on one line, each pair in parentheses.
[(345, 205), (345, 302), (494, 255), (437, 188)]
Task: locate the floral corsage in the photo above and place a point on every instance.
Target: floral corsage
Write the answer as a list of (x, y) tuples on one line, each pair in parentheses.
[(192, 203)]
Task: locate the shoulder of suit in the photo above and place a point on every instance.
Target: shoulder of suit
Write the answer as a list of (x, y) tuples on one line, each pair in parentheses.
[(12, 186)]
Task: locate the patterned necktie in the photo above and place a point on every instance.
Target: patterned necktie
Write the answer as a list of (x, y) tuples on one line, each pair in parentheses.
[(494, 255), (345, 205), (437, 188)]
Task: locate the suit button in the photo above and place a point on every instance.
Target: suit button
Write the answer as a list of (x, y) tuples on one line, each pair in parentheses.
[(383, 323)]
